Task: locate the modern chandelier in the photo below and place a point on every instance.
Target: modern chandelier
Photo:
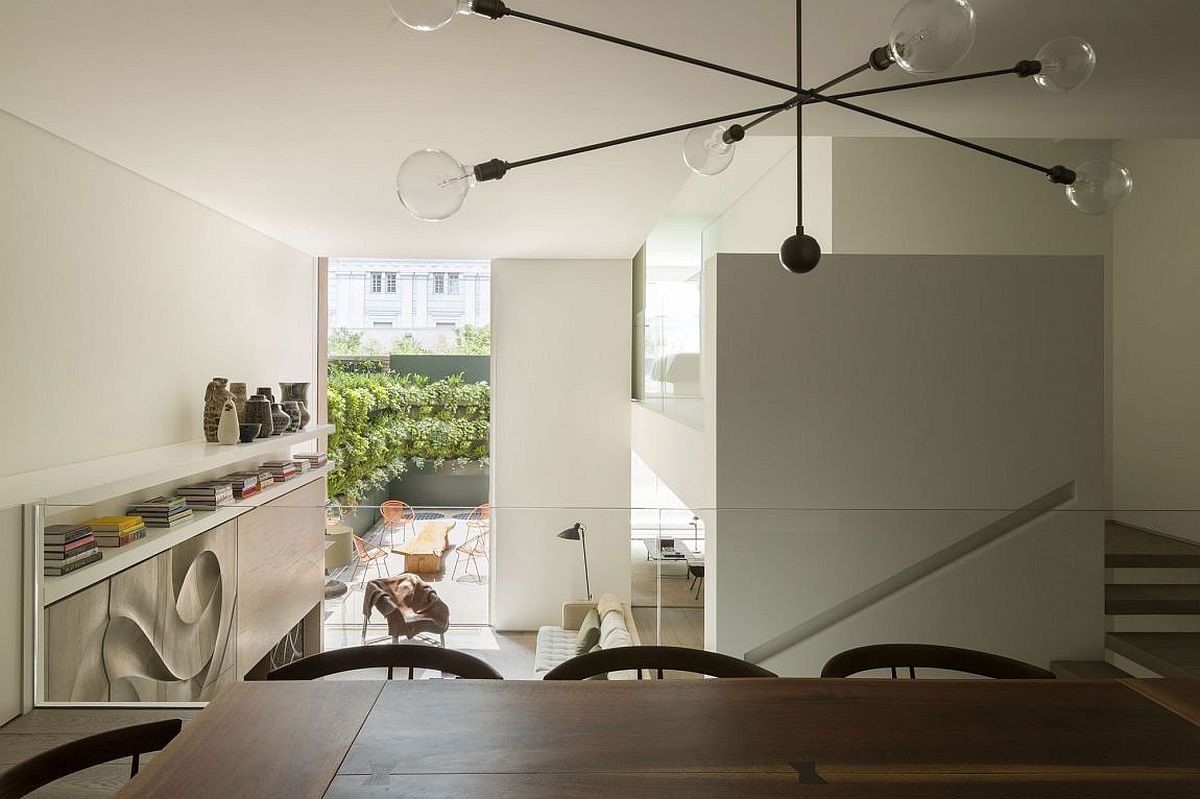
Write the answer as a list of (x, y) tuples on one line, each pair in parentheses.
[(927, 37)]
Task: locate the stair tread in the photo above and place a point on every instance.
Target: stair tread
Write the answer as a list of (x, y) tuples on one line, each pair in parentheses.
[(1152, 591), (1168, 654), (1129, 547), (1087, 670), (1151, 598)]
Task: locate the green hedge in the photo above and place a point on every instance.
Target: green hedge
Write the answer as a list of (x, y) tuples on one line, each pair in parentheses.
[(385, 422)]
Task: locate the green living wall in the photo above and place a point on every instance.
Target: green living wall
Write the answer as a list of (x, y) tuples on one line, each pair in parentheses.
[(387, 423)]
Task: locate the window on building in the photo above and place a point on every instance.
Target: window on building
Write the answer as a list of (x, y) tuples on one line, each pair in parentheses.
[(390, 282), (382, 323), (445, 325), (376, 282), (439, 282), (452, 283)]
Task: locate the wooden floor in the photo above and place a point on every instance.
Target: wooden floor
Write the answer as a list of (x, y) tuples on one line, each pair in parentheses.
[(680, 627), (47, 728)]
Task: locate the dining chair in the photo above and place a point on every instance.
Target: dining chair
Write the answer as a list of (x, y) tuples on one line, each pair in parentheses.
[(397, 514), (930, 656), (43, 769), (654, 658), (479, 520), (389, 656), (473, 548), (365, 555)]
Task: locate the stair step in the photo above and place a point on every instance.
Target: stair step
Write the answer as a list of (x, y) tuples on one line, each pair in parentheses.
[(1151, 598), (1086, 670), (1128, 547), (1168, 654)]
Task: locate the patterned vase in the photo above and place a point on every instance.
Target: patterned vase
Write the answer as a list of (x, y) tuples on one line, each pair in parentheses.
[(299, 393), (280, 419), (258, 410), (227, 428), (266, 392), (238, 390), (214, 402), (292, 409)]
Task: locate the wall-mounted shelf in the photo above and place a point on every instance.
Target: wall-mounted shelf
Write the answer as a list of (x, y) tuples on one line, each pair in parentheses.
[(89, 482), (118, 559)]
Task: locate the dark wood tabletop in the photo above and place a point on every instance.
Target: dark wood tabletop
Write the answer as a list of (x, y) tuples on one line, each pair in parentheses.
[(695, 738)]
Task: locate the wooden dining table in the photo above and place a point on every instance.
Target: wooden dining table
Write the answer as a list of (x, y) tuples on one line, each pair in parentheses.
[(693, 738)]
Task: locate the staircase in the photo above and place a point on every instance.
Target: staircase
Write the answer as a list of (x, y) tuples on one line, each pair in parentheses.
[(1151, 605)]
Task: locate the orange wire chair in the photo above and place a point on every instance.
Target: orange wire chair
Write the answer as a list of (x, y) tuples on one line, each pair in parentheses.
[(479, 527), (397, 514), (368, 554)]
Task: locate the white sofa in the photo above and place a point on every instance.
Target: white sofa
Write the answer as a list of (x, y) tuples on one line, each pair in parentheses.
[(557, 644)]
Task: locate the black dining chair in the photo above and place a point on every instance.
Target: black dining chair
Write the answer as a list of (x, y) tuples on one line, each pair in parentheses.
[(654, 658), (389, 656), (60, 761), (930, 656)]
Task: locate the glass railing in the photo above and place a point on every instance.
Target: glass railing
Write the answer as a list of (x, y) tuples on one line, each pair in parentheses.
[(173, 613)]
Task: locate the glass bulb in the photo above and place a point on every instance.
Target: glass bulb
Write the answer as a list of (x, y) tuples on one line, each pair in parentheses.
[(1099, 187), (932, 35), (428, 15), (706, 152), (1067, 63), (433, 185)]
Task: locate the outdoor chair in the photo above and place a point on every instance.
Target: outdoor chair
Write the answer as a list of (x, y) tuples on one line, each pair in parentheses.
[(473, 549), (654, 658), (365, 555), (43, 769), (397, 514), (930, 656), (389, 656)]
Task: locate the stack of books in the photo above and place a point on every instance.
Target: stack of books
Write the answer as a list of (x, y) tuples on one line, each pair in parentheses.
[(69, 547), (281, 471), (314, 459), (243, 484), (208, 496), (301, 465), (117, 531), (163, 511)]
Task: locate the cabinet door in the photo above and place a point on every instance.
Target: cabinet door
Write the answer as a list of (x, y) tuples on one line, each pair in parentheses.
[(281, 569), (74, 643)]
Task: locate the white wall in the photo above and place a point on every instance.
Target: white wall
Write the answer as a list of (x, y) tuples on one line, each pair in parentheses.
[(761, 218), (560, 433), (119, 300), (905, 402), (1156, 326)]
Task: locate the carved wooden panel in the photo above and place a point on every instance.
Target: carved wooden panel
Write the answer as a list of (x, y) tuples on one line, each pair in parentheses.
[(280, 569), (159, 631), (74, 647)]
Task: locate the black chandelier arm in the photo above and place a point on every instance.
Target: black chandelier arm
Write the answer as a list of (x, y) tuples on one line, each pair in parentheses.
[(800, 119), (1053, 173), (645, 48), (1023, 69), (490, 172), (843, 78)]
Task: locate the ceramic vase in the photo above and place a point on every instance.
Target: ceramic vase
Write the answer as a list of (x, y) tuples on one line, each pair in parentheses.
[(280, 419), (214, 403), (238, 390), (292, 409), (227, 427), (258, 411), (299, 393), (249, 431)]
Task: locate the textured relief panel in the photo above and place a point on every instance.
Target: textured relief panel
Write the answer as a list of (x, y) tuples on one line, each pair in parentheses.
[(74, 642)]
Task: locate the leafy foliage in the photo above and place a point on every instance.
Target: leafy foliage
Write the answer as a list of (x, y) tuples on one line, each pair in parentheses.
[(472, 340), (388, 422)]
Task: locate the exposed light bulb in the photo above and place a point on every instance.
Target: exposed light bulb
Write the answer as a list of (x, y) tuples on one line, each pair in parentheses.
[(433, 185), (706, 152), (932, 35), (1067, 63), (428, 15), (1099, 187)]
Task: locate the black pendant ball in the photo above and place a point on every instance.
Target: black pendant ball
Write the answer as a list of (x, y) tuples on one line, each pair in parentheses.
[(800, 254)]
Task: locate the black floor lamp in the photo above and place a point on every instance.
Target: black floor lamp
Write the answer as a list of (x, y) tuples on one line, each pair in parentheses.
[(576, 533)]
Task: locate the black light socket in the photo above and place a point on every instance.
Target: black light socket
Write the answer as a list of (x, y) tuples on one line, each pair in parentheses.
[(492, 9), (881, 59), (735, 134), (1061, 175), (1027, 69), (491, 170)]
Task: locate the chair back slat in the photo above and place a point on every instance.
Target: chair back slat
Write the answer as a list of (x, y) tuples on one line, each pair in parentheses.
[(389, 656), (60, 761), (931, 656), (656, 658)]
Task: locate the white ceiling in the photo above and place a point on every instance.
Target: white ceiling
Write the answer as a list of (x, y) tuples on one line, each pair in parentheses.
[(293, 116)]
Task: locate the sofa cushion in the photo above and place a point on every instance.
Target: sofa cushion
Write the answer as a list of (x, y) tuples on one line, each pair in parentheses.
[(610, 624), (589, 633), (554, 645)]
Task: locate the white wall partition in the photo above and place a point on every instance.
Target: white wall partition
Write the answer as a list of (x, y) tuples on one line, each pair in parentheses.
[(907, 402), (119, 300), (560, 433)]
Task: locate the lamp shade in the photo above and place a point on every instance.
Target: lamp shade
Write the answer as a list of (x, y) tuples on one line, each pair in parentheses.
[(572, 533)]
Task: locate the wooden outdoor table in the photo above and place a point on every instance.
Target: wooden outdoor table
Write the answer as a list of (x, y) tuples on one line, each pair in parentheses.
[(694, 738)]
